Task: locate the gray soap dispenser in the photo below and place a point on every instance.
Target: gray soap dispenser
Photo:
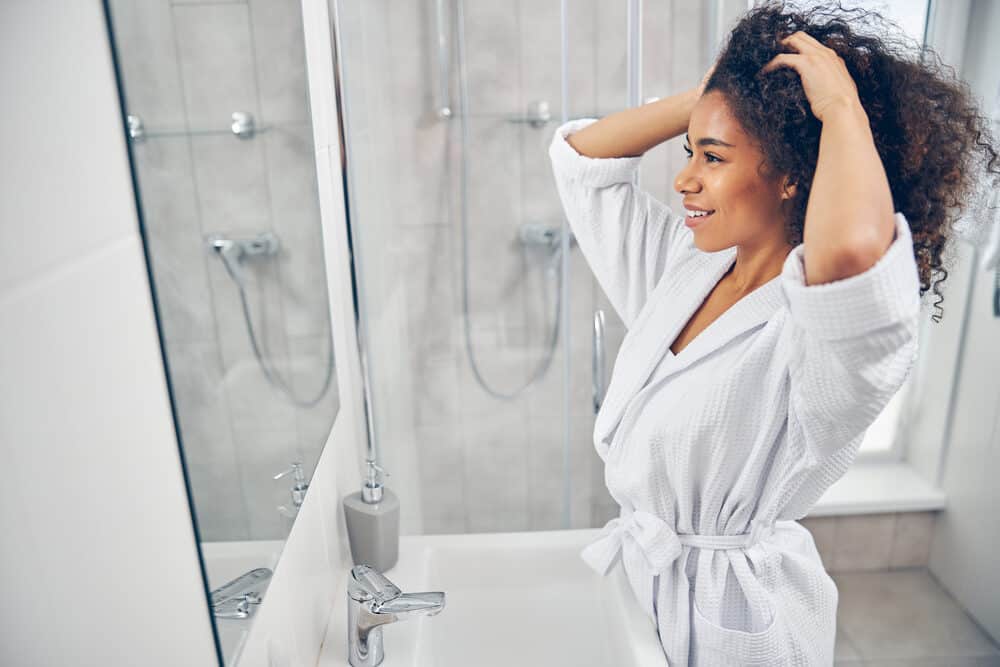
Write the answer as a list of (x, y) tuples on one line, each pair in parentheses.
[(372, 517)]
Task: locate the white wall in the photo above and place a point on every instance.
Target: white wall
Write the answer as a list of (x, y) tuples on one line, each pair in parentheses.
[(967, 534), (98, 564), (925, 426)]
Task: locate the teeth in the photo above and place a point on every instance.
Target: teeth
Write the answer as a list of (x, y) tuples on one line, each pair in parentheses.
[(697, 214)]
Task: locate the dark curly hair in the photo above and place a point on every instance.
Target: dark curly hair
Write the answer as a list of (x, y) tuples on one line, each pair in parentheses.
[(929, 132)]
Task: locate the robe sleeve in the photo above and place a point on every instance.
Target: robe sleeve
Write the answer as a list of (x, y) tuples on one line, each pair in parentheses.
[(623, 232), (853, 343)]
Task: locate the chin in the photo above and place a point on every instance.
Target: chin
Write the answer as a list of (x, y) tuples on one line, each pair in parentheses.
[(708, 244)]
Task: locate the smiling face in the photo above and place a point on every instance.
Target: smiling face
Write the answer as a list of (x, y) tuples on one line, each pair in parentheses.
[(724, 175)]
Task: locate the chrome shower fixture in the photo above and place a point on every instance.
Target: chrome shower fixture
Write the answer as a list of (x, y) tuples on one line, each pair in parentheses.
[(538, 114), (136, 128), (243, 125), (539, 235), (547, 239), (233, 252)]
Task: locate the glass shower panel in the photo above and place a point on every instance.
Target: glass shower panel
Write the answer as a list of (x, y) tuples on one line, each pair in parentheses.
[(674, 44), (221, 142), (480, 330), (221, 145), (457, 225), (596, 85)]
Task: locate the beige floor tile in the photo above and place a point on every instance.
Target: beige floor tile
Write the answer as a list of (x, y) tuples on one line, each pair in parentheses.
[(906, 615), (951, 661), (844, 648)]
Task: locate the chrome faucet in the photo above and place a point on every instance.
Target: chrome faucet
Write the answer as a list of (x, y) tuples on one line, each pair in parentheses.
[(234, 599), (374, 601)]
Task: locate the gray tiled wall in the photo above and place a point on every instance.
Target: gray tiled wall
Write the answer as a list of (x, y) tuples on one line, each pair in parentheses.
[(188, 66)]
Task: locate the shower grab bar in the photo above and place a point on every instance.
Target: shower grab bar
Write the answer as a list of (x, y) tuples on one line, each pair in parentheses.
[(521, 117), (597, 360), (242, 125)]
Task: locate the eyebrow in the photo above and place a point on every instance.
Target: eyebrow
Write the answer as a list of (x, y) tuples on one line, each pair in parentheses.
[(710, 141)]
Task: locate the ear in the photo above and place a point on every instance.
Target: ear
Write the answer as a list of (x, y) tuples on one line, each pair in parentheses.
[(787, 189)]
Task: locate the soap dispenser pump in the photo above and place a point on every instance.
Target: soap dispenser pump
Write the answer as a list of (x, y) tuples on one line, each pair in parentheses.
[(372, 516), (298, 490)]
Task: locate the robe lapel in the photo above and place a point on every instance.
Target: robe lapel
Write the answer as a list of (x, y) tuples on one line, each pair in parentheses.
[(671, 304)]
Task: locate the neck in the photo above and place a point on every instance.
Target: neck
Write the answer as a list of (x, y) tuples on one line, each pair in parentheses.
[(756, 265)]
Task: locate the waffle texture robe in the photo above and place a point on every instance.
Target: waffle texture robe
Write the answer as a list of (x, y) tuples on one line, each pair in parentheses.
[(713, 453)]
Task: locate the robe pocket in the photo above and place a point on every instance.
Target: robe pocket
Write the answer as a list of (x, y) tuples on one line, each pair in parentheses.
[(714, 644)]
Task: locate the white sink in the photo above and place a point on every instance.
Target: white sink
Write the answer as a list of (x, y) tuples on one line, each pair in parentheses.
[(510, 599), (224, 561)]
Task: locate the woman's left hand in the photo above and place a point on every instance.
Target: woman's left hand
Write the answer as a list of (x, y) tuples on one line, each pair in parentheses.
[(825, 78)]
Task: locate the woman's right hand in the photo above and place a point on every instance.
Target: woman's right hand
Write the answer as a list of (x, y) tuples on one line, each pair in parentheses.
[(704, 80)]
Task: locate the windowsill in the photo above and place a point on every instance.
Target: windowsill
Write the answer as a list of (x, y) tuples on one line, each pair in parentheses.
[(872, 487)]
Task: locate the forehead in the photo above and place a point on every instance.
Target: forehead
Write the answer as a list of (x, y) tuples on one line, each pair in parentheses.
[(711, 117)]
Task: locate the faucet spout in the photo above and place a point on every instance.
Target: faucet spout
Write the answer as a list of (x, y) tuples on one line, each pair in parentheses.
[(374, 601), (408, 605)]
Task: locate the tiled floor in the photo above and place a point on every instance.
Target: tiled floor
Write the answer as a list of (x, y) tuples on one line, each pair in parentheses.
[(903, 618)]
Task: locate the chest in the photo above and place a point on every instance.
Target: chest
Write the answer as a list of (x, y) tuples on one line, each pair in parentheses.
[(715, 304)]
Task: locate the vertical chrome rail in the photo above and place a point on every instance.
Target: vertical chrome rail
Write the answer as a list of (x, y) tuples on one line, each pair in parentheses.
[(444, 74), (597, 360)]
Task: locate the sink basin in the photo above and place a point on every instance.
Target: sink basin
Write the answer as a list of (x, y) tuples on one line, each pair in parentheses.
[(224, 561), (510, 599)]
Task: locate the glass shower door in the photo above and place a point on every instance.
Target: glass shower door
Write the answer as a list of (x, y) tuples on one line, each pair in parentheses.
[(477, 306), (458, 242)]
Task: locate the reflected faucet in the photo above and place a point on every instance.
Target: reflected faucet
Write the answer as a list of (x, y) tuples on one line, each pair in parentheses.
[(234, 599), (374, 601)]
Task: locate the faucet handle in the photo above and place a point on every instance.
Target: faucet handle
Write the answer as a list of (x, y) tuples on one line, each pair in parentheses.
[(368, 584)]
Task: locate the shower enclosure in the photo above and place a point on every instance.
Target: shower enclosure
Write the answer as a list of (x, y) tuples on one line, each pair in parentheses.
[(221, 142), (487, 336)]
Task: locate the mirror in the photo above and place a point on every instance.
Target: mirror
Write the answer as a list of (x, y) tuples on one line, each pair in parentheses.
[(475, 282), (222, 149), (477, 293), (487, 309)]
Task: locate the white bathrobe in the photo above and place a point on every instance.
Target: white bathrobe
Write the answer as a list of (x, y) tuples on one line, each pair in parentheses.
[(713, 453)]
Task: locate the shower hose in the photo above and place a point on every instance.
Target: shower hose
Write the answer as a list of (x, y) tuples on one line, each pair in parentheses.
[(550, 353), (273, 377)]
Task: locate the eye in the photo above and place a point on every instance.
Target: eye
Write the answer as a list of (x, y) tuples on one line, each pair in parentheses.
[(709, 156)]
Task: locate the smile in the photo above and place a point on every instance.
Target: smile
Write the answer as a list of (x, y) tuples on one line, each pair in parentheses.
[(697, 218)]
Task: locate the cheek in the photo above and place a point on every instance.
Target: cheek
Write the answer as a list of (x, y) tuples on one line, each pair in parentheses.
[(730, 189), (739, 190)]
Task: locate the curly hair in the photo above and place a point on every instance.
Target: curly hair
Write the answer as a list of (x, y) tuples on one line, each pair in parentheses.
[(913, 101)]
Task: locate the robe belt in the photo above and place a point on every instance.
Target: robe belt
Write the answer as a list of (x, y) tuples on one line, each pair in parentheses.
[(658, 542)]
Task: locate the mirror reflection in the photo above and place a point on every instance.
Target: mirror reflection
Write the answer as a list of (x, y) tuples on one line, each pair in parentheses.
[(516, 373), (528, 369), (222, 143)]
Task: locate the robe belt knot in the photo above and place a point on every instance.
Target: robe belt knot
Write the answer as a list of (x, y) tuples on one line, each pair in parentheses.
[(658, 542)]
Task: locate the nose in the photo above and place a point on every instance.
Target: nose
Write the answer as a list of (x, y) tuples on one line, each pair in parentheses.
[(687, 181)]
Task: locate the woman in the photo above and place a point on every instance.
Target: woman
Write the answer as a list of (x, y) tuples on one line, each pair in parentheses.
[(769, 326)]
